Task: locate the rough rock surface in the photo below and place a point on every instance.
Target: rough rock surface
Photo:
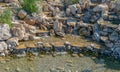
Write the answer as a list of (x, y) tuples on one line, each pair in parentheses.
[(4, 32), (3, 46), (12, 42), (22, 14), (18, 31)]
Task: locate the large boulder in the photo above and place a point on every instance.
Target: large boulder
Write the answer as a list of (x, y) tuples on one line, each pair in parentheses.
[(12, 42), (4, 32)]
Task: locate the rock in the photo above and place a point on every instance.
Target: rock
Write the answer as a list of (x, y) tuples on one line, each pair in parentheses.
[(100, 7), (74, 55), (57, 26), (3, 46), (52, 33), (68, 11), (45, 8), (30, 20), (7, 68), (31, 37), (81, 55), (114, 36), (53, 70), (96, 34), (56, 11), (3, 62), (115, 5), (26, 37), (109, 44), (103, 38), (50, 8), (60, 68), (73, 9), (12, 42), (78, 8), (1, 0), (8, 1), (30, 29), (69, 61), (70, 65), (71, 23), (18, 31), (22, 14), (4, 32), (18, 69), (42, 56), (31, 69)]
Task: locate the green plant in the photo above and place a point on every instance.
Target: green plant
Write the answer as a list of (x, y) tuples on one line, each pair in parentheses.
[(6, 16), (75, 1), (69, 2), (30, 6)]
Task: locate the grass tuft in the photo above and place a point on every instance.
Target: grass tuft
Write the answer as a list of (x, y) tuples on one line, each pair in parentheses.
[(30, 6), (6, 17)]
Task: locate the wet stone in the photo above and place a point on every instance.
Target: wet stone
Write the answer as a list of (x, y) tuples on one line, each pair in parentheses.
[(3, 62), (69, 61), (7, 68), (18, 69), (60, 68)]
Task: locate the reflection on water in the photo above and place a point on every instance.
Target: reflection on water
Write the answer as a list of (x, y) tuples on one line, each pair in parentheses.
[(65, 63)]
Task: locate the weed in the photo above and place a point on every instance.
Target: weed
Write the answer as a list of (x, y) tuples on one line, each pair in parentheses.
[(5, 17)]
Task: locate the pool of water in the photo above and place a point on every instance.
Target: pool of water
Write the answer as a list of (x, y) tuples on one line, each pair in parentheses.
[(64, 63)]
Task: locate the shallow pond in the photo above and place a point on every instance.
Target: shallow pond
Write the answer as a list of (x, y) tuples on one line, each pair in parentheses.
[(64, 63)]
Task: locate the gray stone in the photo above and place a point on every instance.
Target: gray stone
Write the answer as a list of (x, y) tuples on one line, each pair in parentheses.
[(71, 22), (109, 44), (30, 29), (18, 31), (73, 9), (3, 46), (114, 36), (4, 32), (68, 11), (57, 26), (12, 42), (18, 69), (56, 11)]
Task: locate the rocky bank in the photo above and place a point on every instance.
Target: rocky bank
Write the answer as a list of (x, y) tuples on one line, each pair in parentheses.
[(95, 19)]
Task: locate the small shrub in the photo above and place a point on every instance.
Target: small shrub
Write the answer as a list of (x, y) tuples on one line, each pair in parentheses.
[(6, 16), (30, 6)]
